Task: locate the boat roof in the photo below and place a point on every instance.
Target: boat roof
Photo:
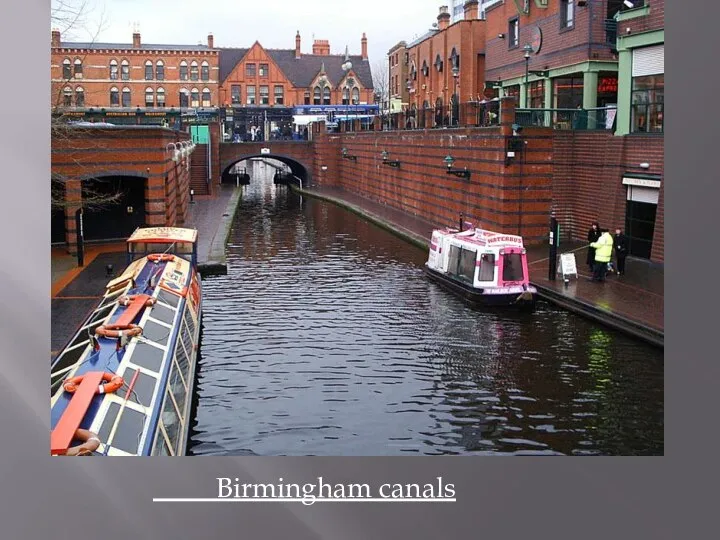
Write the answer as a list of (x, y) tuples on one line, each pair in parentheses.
[(163, 235), (484, 237)]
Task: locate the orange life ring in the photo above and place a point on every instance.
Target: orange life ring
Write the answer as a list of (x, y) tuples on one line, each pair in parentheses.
[(90, 443), (161, 257), (126, 299), (113, 383), (117, 330)]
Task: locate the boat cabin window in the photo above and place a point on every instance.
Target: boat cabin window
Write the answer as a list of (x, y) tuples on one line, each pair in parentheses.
[(466, 266), (487, 267), (512, 267), (129, 430), (161, 447), (170, 419)]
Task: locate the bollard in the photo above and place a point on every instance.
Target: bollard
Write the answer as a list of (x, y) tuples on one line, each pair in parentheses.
[(192, 196)]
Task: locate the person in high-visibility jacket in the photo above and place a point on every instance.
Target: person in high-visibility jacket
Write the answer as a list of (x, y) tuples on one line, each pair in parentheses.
[(603, 253)]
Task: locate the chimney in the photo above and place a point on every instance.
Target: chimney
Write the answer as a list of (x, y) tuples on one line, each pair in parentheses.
[(471, 9), (136, 40), (363, 44), (297, 44), (55, 40), (211, 41), (444, 18), (321, 47)]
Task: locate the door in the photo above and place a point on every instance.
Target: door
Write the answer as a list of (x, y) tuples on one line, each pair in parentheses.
[(117, 218), (640, 220), (200, 134)]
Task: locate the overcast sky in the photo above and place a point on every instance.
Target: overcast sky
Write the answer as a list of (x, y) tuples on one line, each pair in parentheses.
[(239, 23)]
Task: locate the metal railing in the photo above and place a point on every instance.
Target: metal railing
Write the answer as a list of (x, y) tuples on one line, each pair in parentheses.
[(568, 119), (468, 114)]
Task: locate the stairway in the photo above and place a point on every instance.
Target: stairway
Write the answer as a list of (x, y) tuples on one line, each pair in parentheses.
[(199, 170)]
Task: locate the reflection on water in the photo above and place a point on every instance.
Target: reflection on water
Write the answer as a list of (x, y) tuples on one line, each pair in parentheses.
[(325, 338)]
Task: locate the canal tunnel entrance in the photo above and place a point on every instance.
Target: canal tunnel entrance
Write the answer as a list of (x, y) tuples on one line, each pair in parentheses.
[(294, 170)]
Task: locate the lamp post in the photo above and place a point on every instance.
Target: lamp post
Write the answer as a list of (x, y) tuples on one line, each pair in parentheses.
[(456, 98), (528, 50), (349, 82)]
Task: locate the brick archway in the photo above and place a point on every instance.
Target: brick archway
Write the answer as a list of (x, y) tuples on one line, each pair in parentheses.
[(297, 168), (298, 155)]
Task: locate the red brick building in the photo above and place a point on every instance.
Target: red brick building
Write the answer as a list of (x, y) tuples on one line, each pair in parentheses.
[(398, 61)]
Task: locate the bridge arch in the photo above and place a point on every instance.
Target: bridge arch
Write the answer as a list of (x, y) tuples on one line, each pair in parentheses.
[(297, 168)]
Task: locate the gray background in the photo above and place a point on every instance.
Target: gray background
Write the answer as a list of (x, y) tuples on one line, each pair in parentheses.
[(661, 497)]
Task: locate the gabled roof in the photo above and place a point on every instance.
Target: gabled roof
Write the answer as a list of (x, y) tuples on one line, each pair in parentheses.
[(229, 58), (302, 71), (127, 46)]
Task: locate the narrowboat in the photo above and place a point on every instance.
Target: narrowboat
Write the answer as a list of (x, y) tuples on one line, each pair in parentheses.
[(484, 267), (122, 386)]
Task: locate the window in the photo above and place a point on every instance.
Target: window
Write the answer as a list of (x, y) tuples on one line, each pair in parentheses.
[(113, 70), (250, 70), (125, 70), (264, 70), (161, 97), (355, 96), (567, 13), (438, 64), (160, 70), (279, 95), (114, 97), (487, 267), (78, 72), (67, 69), (455, 59), (512, 267), (326, 95), (537, 95), (250, 95), (466, 266), (184, 98), (205, 71), (307, 97), (206, 97), (170, 419), (79, 97), (148, 70), (126, 97), (513, 91), (235, 94), (194, 97), (568, 92), (67, 96), (425, 69), (514, 33), (346, 96), (264, 95), (193, 71), (183, 71), (316, 96), (648, 99), (149, 97)]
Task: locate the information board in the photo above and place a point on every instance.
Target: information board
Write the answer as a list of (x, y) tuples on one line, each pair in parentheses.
[(567, 265)]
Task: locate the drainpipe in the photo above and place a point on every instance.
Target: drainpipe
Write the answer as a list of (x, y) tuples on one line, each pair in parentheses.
[(209, 157)]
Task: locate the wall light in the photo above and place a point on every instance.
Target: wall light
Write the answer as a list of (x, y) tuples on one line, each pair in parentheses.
[(501, 36), (345, 155), (389, 162), (462, 173), (644, 165)]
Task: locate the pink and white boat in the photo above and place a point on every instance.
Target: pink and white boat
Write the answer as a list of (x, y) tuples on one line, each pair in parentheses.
[(484, 267)]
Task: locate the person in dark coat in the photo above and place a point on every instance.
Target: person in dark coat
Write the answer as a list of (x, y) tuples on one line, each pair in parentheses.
[(593, 235), (620, 250)]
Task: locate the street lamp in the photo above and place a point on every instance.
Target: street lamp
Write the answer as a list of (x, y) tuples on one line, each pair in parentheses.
[(528, 50), (456, 98), (349, 82)]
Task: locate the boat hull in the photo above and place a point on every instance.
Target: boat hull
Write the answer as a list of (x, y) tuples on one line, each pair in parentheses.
[(477, 298)]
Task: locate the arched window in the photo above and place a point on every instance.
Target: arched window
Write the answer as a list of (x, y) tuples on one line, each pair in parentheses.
[(79, 97), (326, 95), (194, 71), (316, 96), (67, 96), (161, 97), (114, 97), (160, 70), (454, 59), (125, 70), (78, 72), (113, 70), (148, 70), (206, 97), (438, 63), (205, 71), (413, 71), (194, 98), (425, 69), (356, 96), (67, 69), (126, 97), (183, 71), (149, 97), (184, 97), (346, 96)]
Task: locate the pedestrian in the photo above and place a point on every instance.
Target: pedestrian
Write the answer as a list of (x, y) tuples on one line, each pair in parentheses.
[(603, 254), (592, 236), (620, 250)]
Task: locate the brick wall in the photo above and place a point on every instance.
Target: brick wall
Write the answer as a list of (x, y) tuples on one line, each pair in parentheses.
[(655, 20), (82, 154)]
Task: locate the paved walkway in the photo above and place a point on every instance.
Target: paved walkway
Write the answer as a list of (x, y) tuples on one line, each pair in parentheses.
[(633, 303)]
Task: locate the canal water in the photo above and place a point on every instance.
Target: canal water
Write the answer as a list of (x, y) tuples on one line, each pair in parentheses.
[(326, 338)]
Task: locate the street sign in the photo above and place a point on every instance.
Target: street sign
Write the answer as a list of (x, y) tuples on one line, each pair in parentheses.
[(264, 150)]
